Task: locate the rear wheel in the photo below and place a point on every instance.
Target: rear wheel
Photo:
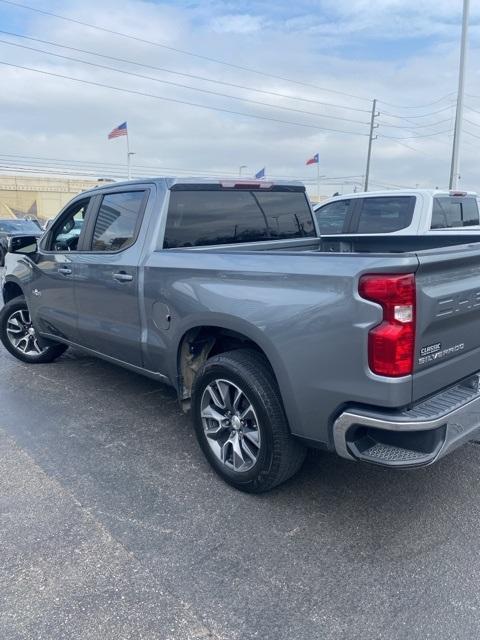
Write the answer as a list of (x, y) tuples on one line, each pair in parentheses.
[(19, 337), (240, 422)]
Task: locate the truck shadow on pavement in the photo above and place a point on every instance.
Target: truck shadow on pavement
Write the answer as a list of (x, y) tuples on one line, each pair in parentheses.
[(106, 414)]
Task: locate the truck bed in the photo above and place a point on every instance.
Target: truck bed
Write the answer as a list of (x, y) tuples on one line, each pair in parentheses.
[(447, 282), (394, 243)]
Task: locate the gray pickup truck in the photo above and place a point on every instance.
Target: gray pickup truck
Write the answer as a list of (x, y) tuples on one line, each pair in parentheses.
[(275, 339)]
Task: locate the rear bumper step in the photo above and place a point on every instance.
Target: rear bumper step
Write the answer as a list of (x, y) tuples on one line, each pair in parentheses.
[(413, 437)]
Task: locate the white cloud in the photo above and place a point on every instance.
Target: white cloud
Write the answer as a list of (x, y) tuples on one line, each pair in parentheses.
[(239, 23)]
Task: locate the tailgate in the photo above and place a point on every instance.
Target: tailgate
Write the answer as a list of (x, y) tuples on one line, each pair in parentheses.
[(448, 317)]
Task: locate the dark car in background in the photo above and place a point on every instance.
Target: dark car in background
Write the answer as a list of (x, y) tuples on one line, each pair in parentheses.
[(16, 227)]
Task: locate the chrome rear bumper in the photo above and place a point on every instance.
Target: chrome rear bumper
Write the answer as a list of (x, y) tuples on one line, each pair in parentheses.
[(413, 437)]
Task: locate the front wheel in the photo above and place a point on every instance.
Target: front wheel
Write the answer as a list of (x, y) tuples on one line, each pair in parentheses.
[(19, 337), (240, 422)]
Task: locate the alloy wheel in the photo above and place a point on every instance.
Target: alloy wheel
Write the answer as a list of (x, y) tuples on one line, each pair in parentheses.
[(231, 425), (21, 333)]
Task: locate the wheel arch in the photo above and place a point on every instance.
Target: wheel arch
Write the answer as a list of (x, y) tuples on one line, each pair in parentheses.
[(11, 289), (197, 343)]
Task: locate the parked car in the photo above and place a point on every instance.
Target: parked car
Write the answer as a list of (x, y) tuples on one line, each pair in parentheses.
[(12, 226), (273, 338), (408, 212)]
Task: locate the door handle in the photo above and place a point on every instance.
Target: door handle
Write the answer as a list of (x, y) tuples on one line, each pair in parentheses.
[(123, 277), (66, 271)]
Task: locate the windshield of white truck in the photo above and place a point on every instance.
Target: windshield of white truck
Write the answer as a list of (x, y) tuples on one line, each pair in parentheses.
[(201, 218)]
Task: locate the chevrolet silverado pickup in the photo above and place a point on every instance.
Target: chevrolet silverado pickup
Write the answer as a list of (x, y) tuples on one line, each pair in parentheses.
[(274, 338)]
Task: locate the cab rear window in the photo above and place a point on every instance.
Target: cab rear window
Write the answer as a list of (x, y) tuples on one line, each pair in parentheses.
[(385, 214), (202, 218), (454, 211)]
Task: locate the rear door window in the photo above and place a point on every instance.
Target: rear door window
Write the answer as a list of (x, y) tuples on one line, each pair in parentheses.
[(118, 220), (333, 217), (453, 211), (202, 218), (385, 214)]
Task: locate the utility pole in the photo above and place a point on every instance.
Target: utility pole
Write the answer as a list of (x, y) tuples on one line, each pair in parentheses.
[(371, 138), (459, 112)]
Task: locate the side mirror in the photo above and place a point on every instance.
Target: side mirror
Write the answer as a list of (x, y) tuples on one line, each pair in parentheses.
[(23, 244)]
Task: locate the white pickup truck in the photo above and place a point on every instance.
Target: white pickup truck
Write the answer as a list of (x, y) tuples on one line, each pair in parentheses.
[(410, 212)]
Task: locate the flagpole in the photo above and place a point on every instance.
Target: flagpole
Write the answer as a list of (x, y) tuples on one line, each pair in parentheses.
[(318, 181), (129, 174)]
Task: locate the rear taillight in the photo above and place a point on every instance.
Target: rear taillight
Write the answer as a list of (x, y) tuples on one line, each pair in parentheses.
[(391, 344)]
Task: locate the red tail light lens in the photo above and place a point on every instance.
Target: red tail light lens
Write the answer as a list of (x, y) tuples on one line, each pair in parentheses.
[(391, 344)]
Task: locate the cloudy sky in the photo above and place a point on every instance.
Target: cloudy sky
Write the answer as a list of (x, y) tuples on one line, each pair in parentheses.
[(299, 77)]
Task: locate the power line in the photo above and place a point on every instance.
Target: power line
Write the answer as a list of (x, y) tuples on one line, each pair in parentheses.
[(397, 106), (186, 75), (95, 166), (414, 117), (412, 127), (426, 135), (177, 50), (174, 100), (472, 109), (177, 84), (407, 146), (471, 122), (474, 135), (399, 142), (79, 173)]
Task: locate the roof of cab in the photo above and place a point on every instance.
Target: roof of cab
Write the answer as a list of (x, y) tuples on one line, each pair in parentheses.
[(413, 192), (177, 180), (396, 192)]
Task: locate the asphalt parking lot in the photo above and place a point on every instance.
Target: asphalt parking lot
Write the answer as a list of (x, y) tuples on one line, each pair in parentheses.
[(112, 525)]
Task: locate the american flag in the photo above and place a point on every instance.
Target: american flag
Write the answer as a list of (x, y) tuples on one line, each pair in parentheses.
[(121, 130)]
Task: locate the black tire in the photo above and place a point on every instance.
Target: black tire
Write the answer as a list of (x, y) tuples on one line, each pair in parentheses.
[(47, 354), (279, 455)]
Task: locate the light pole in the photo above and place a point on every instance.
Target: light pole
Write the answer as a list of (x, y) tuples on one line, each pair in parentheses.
[(454, 167)]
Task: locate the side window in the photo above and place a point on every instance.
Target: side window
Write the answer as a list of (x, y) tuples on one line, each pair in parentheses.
[(66, 234), (452, 211), (385, 214), (117, 221), (331, 217)]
